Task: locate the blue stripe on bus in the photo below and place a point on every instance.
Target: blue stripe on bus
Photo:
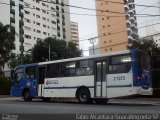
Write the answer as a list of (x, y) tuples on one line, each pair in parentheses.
[(66, 87), (129, 85)]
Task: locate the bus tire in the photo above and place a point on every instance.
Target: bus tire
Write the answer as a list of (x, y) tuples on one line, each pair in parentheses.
[(83, 96), (27, 96), (101, 101)]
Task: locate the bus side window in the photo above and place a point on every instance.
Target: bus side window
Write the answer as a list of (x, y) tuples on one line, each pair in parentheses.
[(68, 69), (30, 73), (119, 64)]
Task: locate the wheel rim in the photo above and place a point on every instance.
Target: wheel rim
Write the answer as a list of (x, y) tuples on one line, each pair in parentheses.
[(26, 95), (83, 97)]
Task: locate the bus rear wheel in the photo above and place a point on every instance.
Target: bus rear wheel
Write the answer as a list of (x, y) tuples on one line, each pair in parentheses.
[(27, 96), (83, 96)]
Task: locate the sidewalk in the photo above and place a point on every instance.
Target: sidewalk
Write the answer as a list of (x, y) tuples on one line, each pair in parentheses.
[(5, 96)]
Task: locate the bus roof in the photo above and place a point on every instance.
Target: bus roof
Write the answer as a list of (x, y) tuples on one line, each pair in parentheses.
[(74, 59), (87, 57), (26, 65)]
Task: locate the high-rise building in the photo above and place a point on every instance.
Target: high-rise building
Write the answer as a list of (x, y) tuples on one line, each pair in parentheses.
[(117, 26), (147, 17), (74, 33), (35, 20)]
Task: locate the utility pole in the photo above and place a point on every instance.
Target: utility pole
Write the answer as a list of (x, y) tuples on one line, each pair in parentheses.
[(49, 52), (92, 41)]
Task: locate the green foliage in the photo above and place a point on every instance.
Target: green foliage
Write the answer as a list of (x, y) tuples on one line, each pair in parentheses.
[(16, 60), (59, 49), (147, 45), (7, 38), (5, 85)]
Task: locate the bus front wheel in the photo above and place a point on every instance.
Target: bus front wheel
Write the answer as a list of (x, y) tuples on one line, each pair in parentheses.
[(27, 96), (83, 96)]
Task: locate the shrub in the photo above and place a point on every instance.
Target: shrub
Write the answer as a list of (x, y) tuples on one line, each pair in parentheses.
[(5, 85)]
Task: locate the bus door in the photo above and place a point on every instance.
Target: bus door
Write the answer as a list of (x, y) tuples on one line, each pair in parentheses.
[(41, 77), (100, 79)]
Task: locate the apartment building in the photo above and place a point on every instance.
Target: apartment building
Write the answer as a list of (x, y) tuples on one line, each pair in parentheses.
[(35, 20), (74, 33), (117, 26)]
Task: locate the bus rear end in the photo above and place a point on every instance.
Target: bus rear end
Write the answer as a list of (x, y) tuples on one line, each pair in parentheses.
[(142, 77)]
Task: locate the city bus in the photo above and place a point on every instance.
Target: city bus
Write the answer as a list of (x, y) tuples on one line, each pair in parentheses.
[(97, 77)]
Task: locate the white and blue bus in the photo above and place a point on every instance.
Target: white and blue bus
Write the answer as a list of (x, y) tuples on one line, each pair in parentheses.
[(99, 77)]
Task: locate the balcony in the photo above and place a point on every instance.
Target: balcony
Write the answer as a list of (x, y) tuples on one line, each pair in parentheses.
[(62, 3), (21, 31), (12, 11), (132, 19), (63, 22), (64, 30), (21, 23), (58, 33), (63, 16), (62, 10), (20, 6), (12, 19), (12, 3), (58, 27), (58, 21), (126, 8), (64, 36), (130, 38), (57, 14), (21, 39), (21, 48), (20, 14)]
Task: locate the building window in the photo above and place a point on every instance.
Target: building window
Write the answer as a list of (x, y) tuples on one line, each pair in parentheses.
[(38, 23), (27, 20), (43, 4), (44, 26), (37, 16), (43, 11), (27, 36), (38, 31), (44, 33), (37, 8), (27, 12), (44, 18)]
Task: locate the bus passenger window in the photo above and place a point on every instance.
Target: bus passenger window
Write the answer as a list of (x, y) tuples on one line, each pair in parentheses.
[(84, 67), (31, 73), (120, 64), (68, 69), (52, 70)]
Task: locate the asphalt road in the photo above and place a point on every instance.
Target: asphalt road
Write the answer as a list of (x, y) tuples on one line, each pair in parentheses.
[(21, 110)]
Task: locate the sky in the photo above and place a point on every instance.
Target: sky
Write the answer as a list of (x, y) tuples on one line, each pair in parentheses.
[(87, 24)]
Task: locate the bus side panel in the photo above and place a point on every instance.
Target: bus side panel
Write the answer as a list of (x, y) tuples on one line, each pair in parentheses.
[(140, 76), (119, 85), (67, 87)]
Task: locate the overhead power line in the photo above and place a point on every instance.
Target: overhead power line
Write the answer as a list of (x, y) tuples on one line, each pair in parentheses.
[(112, 32)]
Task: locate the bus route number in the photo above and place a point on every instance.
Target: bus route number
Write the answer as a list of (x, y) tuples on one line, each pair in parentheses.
[(119, 78)]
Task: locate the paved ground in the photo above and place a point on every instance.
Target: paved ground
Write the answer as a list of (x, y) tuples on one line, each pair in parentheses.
[(142, 100)]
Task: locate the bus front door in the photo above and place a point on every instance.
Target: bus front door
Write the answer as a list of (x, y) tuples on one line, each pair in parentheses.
[(100, 82), (41, 76)]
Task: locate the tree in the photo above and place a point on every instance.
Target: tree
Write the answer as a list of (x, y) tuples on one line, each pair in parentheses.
[(15, 60), (146, 44), (54, 49), (7, 38)]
